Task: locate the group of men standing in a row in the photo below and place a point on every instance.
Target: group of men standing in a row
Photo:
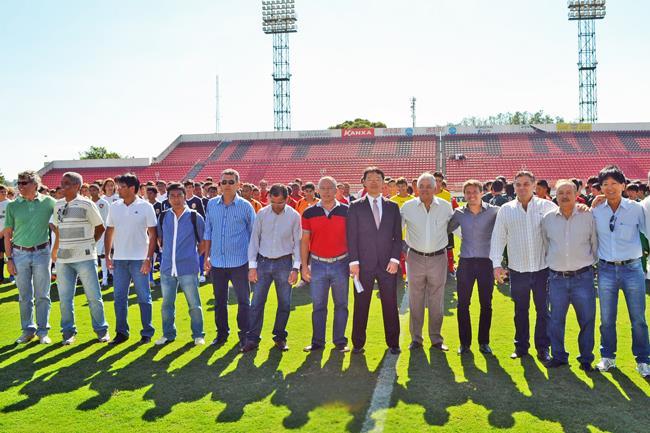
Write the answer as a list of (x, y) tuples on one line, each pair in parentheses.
[(550, 252)]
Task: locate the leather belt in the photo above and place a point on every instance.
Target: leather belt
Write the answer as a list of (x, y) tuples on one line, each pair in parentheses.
[(569, 274), (36, 248), (329, 259), (435, 253), (621, 263), (276, 258)]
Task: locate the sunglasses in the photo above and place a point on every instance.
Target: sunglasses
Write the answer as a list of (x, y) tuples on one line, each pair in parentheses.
[(227, 182), (62, 213), (23, 182), (612, 223)]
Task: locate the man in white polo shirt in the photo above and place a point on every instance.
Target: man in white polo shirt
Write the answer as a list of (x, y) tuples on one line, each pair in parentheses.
[(131, 233), (77, 225)]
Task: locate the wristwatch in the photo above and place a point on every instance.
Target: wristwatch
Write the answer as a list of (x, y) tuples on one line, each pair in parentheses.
[(9, 258)]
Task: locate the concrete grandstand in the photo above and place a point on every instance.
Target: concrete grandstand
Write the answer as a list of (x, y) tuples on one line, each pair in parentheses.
[(550, 151)]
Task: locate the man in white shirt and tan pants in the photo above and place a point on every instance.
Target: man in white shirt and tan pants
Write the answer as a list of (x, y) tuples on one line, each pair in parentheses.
[(425, 219)]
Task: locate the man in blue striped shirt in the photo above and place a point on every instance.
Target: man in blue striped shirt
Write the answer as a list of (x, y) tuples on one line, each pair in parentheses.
[(228, 228)]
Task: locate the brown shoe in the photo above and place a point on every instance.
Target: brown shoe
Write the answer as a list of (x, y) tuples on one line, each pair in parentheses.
[(282, 345), (248, 347)]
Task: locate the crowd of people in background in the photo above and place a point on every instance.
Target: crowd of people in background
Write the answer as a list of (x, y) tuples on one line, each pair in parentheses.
[(589, 239)]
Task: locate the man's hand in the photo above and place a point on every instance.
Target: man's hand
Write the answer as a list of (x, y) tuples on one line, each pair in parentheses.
[(109, 262), (207, 266), (54, 255), (582, 207), (252, 275), (354, 271), (500, 274), (146, 267), (11, 268), (293, 277), (598, 200), (392, 267), (305, 273)]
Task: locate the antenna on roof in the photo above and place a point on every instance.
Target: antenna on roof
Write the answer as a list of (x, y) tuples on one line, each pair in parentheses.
[(218, 114)]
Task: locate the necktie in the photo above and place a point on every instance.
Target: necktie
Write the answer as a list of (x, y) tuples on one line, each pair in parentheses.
[(375, 212)]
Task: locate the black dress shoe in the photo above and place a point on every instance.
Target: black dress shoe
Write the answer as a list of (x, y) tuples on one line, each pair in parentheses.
[(415, 345), (395, 350), (518, 354), (544, 356), (440, 346), (282, 345), (484, 348), (312, 348), (219, 341), (248, 347), (144, 340), (119, 338), (358, 350), (463, 349), (586, 366), (555, 363)]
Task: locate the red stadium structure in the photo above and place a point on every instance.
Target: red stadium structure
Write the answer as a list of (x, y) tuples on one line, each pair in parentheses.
[(549, 151)]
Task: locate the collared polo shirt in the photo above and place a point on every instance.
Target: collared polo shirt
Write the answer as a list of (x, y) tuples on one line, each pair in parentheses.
[(130, 223), (30, 220), (326, 229)]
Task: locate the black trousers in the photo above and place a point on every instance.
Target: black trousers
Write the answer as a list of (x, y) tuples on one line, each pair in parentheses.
[(470, 271), (239, 278), (522, 284), (388, 297)]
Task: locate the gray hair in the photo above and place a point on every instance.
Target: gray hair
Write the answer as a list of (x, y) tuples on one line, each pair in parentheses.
[(74, 177), (426, 176), (327, 179), (562, 182), (30, 175), (231, 172)]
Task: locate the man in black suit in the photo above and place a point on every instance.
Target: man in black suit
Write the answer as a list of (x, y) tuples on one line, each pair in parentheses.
[(374, 233)]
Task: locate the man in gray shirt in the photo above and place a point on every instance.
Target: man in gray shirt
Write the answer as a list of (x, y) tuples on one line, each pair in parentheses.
[(476, 221), (273, 256), (572, 247)]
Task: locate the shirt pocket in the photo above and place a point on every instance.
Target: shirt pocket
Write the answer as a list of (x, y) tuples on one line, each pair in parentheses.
[(627, 231)]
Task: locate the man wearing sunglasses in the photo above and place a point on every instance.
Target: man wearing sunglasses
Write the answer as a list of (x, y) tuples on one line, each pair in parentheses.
[(27, 247), (619, 222), (228, 228), (78, 226), (4, 201)]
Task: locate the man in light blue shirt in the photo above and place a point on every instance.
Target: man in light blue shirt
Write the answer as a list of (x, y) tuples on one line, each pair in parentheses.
[(619, 223), (180, 231), (228, 228)]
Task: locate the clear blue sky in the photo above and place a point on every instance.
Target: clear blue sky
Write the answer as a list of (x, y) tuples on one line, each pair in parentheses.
[(133, 75)]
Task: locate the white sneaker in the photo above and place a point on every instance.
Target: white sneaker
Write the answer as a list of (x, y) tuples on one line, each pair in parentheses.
[(25, 338), (201, 279), (45, 339), (162, 340), (68, 341), (199, 341), (643, 368), (104, 338), (606, 364)]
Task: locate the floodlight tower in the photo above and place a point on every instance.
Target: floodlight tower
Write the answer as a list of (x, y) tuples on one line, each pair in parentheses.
[(413, 111), (586, 12), (279, 19)]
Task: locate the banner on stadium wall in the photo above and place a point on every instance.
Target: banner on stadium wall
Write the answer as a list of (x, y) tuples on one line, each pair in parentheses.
[(358, 132), (573, 127)]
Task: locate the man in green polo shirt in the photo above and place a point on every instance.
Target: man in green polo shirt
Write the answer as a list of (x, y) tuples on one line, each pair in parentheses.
[(27, 246)]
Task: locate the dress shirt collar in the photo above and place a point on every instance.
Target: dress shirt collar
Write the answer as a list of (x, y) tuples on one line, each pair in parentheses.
[(625, 203), (436, 201), (320, 203), (558, 211)]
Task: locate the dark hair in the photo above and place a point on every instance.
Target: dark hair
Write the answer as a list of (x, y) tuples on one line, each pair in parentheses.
[(577, 183), (372, 169), (592, 179), (497, 185), (401, 181), (611, 172), (438, 174), (188, 182), (543, 183), (633, 187), (151, 188), (277, 190), (527, 173), (596, 185), (130, 180), (502, 179), (176, 186), (160, 181), (309, 185), (487, 185), (3, 188), (510, 189)]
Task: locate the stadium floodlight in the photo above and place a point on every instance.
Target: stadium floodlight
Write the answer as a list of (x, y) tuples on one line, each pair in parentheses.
[(279, 19), (586, 12)]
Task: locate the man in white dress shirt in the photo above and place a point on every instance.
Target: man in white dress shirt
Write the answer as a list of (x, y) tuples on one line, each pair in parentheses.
[(518, 226)]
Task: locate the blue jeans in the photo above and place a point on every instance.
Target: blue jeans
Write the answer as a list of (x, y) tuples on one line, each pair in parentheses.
[(271, 271), (125, 271), (190, 286), (66, 275), (580, 292), (33, 282), (323, 277), (521, 286), (631, 280)]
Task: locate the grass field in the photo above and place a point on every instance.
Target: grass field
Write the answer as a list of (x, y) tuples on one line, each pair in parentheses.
[(90, 387)]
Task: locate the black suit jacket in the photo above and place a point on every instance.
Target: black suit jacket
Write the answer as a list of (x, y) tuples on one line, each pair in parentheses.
[(370, 246)]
